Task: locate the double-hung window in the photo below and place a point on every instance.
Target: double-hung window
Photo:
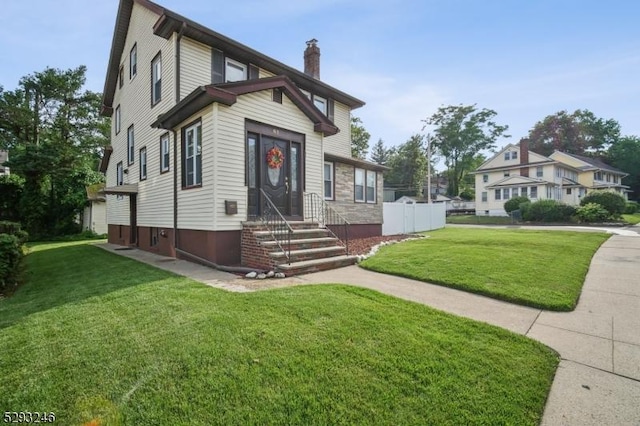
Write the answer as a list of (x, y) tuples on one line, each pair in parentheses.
[(118, 119), (505, 193), (143, 163), (539, 171), (164, 153), (497, 194), (119, 174), (320, 103), (533, 192), (192, 149), (234, 70), (484, 197), (130, 146), (156, 79), (485, 178), (133, 61), (359, 185), (328, 180), (371, 186)]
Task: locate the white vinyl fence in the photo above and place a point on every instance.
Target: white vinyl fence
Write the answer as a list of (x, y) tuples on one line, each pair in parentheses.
[(403, 218)]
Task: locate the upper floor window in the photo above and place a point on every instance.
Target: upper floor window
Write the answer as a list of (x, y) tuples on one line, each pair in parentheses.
[(133, 61), (506, 173), (320, 103), (130, 146), (121, 77), (117, 119), (485, 178), (164, 153), (234, 70), (514, 155), (143, 163), (597, 175), (156, 79), (328, 180), (119, 174), (539, 171), (192, 151)]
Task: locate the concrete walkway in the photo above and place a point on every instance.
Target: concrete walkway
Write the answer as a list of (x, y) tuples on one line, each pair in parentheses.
[(598, 380)]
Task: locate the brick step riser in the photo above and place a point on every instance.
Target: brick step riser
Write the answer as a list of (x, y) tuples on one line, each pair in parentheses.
[(303, 246), (317, 268), (309, 256), (297, 236)]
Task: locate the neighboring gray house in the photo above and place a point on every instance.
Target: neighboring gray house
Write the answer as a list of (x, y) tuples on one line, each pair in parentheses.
[(210, 136)]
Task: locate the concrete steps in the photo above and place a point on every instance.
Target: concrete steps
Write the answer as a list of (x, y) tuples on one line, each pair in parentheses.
[(311, 248)]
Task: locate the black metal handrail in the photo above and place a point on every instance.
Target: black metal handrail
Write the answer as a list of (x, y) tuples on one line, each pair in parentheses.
[(316, 209), (276, 224)]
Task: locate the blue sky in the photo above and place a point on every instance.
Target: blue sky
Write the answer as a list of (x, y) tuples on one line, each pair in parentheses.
[(404, 58)]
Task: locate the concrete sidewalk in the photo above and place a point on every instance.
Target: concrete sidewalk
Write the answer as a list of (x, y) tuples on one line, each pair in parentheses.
[(598, 380)]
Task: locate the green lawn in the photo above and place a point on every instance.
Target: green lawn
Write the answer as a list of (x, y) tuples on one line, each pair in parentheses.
[(544, 269), (94, 336), (633, 219), (479, 220)]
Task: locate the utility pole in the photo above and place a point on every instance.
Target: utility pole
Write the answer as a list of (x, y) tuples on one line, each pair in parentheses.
[(428, 168)]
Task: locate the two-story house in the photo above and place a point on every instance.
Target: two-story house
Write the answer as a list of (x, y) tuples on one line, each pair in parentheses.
[(516, 171), (210, 136)]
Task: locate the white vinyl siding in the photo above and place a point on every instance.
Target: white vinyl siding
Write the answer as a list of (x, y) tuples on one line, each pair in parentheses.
[(155, 197), (195, 66), (340, 143)]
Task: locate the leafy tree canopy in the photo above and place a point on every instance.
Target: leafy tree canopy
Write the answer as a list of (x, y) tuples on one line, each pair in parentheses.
[(55, 135), (408, 167), (580, 132), (359, 139), (460, 133), (625, 155)]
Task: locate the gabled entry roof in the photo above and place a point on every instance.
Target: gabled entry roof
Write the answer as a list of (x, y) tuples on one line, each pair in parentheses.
[(227, 94)]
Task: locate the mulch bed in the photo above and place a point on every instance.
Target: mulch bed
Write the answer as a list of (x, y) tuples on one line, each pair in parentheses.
[(363, 245)]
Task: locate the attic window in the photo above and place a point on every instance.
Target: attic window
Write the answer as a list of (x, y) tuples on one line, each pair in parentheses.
[(320, 103), (234, 70)]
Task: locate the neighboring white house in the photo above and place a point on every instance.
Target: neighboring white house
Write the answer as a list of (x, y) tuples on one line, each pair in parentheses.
[(94, 216), (205, 130), (516, 171)]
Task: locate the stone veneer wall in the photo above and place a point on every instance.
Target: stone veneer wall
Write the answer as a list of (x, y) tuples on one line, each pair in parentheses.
[(355, 213)]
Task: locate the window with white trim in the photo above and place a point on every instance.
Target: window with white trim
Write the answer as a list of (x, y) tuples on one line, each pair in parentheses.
[(359, 178), (234, 70), (497, 194), (533, 192), (143, 163), (192, 148), (328, 180), (119, 174), (484, 196), (485, 178), (539, 171), (130, 146), (523, 191), (117, 119), (505, 193), (320, 103), (164, 153), (156, 79), (371, 186), (133, 61)]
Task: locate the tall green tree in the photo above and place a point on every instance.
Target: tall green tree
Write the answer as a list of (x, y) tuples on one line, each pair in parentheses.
[(55, 135), (408, 167), (359, 139), (459, 133), (625, 155), (379, 154), (579, 132)]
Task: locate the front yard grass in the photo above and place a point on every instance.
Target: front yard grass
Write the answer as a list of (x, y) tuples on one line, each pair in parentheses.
[(96, 337), (543, 269), (632, 219)]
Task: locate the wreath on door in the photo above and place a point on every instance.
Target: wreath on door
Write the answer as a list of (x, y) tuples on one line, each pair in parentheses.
[(275, 158)]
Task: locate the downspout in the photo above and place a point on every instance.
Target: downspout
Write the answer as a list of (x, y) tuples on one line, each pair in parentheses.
[(175, 141)]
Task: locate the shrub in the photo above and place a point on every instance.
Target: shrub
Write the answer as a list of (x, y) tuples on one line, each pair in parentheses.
[(613, 202), (514, 203), (10, 257), (548, 211), (592, 212), (7, 227), (632, 207)]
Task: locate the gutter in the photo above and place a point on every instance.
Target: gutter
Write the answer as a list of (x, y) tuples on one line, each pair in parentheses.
[(175, 140)]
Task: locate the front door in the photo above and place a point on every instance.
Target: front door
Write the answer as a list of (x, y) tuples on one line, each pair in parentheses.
[(275, 178), (274, 165)]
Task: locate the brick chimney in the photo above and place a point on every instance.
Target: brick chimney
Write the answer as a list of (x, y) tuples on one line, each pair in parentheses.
[(312, 59), (524, 156)]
